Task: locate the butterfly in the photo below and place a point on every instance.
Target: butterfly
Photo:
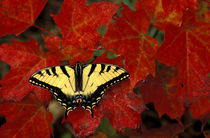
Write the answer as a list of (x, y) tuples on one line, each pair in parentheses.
[(82, 84)]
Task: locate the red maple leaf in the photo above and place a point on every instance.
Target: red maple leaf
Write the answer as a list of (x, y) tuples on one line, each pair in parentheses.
[(186, 46), (16, 16), (27, 118), (79, 22), (127, 37)]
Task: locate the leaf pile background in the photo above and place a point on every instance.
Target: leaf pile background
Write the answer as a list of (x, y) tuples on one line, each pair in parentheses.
[(164, 45)]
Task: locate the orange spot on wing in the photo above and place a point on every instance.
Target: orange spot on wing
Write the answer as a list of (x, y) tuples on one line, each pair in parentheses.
[(79, 100)]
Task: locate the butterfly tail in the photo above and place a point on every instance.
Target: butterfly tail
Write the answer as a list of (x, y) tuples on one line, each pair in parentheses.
[(92, 112), (66, 114)]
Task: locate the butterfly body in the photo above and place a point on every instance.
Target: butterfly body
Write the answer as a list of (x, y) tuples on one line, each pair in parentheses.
[(79, 85)]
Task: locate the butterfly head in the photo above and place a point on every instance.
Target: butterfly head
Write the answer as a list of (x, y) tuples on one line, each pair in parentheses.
[(78, 67)]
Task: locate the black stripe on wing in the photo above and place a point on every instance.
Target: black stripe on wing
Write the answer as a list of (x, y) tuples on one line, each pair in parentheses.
[(48, 72), (64, 71), (54, 71), (40, 73), (108, 68), (117, 68), (102, 69), (92, 69)]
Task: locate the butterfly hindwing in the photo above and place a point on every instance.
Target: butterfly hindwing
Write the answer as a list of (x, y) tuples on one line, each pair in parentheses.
[(60, 80), (98, 77)]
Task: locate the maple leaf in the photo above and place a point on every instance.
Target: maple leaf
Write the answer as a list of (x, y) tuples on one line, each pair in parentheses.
[(127, 38), (79, 22), (118, 104), (16, 16), (162, 12), (24, 58), (160, 91), (187, 47), (27, 118)]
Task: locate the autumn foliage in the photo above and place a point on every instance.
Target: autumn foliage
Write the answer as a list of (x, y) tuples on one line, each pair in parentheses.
[(172, 73)]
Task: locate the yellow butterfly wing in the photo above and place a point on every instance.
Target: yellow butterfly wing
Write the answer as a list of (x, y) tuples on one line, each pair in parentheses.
[(96, 78), (60, 80)]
